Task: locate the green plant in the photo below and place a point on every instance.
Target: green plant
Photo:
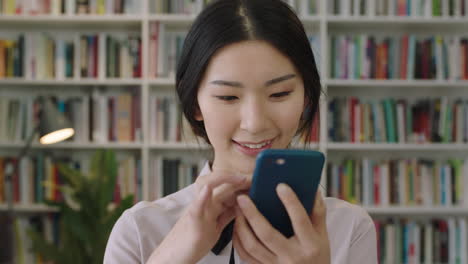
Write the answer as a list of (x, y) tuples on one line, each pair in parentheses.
[(85, 218)]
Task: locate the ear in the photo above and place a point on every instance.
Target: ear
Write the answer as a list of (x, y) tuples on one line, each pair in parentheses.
[(198, 115)]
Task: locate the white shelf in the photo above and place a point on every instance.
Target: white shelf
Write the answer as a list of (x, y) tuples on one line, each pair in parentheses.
[(73, 145), (378, 20), (395, 24), (418, 211), (162, 81), (324, 25), (397, 147), (70, 82), (178, 146), (187, 20), (29, 208), (173, 19), (72, 18), (396, 83), (311, 20), (76, 21)]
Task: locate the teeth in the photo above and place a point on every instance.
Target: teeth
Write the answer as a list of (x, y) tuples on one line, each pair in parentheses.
[(256, 146)]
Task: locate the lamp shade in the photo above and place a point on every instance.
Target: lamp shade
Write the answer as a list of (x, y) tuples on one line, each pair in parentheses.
[(53, 126)]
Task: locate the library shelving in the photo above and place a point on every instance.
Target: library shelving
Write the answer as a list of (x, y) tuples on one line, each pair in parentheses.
[(321, 20), (156, 24)]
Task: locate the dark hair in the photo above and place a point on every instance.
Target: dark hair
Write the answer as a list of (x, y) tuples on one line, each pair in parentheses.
[(225, 22)]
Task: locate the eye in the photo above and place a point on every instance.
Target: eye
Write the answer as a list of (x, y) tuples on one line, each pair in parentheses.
[(226, 98), (282, 94)]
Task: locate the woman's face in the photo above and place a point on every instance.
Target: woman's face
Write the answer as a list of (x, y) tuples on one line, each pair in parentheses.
[(251, 98)]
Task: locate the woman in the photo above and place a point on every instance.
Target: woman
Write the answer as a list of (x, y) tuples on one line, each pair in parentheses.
[(247, 81)]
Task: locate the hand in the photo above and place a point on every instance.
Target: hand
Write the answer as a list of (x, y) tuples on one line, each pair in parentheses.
[(256, 241), (200, 226)]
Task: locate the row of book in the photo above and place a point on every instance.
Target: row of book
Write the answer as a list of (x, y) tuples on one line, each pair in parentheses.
[(116, 117), (408, 8), (40, 56), (165, 47), (314, 41), (69, 7), (403, 182), (55, 56), (11, 60), (407, 56), (165, 120), (305, 7), (313, 133), (37, 178), (47, 224), (170, 174), (123, 57), (178, 6), (431, 241), (436, 241), (99, 117), (392, 120), (168, 125)]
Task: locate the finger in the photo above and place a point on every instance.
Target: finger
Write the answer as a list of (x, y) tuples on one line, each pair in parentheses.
[(227, 193), (268, 235), (300, 221), (218, 179), (226, 217), (243, 254), (319, 213), (230, 183), (250, 242), (203, 199)]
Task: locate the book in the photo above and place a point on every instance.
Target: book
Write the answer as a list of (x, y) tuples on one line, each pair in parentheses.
[(403, 182)]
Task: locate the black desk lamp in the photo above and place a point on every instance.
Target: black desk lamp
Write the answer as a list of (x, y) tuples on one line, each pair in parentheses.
[(53, 127)]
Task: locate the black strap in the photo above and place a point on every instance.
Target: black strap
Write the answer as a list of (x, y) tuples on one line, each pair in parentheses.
[(224, 239), (231, 259)]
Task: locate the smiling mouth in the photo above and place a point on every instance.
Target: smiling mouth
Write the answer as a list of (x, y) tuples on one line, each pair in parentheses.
[(255, 145)]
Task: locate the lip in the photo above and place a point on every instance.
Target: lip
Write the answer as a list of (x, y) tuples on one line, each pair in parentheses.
[(252, 152), (250, 142)]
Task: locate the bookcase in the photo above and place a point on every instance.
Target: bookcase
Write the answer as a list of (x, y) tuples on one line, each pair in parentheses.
[(365, 57)]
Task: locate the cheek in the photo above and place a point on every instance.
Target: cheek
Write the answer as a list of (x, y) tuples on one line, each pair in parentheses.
[(288, 117), (219, 123)]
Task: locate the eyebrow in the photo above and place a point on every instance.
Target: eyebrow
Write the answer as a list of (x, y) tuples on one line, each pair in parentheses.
[(267, 83)]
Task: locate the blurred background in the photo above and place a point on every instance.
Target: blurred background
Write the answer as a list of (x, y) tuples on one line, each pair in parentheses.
[(393, 121)]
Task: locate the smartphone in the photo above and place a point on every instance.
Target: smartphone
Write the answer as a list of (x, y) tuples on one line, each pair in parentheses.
[(300, 169)]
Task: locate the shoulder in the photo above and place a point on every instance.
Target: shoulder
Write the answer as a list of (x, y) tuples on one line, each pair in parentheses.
[(346, 221), (141, 228), (166, 210)]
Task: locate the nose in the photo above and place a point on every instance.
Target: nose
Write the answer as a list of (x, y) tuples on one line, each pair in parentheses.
[(254, 117)]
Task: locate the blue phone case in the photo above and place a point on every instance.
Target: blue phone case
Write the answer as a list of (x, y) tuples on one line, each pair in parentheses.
[(300, 169)]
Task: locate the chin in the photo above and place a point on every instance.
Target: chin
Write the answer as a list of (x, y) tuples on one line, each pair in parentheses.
[(247, 166)]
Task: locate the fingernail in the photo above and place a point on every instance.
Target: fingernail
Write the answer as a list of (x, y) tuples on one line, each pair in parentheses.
[(238, 177), (282, 188), (242, 200)]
